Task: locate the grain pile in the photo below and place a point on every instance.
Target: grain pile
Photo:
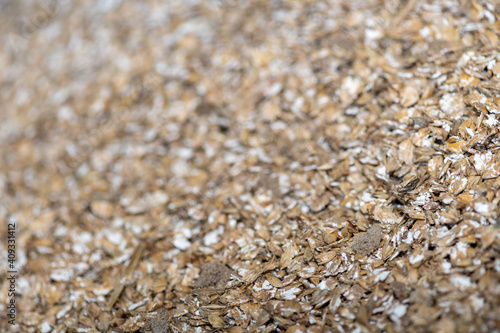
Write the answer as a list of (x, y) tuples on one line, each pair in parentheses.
[(253, 166)]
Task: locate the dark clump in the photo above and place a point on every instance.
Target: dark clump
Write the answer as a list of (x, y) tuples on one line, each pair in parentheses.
[(213, 274), (369, 241), (159, 324)]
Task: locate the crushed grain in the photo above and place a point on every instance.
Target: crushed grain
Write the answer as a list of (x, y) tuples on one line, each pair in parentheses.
[(142, 139)]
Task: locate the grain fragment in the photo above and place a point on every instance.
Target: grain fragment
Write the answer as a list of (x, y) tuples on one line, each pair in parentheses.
[(102, 209)]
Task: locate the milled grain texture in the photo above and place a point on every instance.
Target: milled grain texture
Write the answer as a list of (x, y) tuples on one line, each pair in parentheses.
[(262, 166)]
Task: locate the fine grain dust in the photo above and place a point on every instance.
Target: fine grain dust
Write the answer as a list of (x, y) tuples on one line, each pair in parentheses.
[(369, 241), (213, 274), (159, 324)]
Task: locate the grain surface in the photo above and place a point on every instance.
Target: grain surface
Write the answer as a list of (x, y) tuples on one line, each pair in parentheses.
[(251, 166)]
